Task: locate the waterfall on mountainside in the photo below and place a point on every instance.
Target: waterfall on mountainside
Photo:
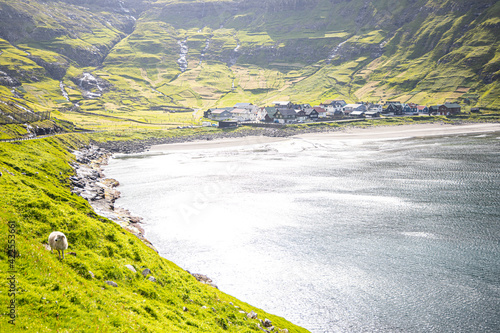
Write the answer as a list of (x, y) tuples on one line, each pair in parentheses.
[(335, 51), (63, 92), (207, 45), (183, 64)]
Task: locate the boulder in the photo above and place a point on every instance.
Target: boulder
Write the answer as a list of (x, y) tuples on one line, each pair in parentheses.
[(112, 283), (267, 323), (152, 279), (204, 279), (132, 268), (146, 271), (252, 315)]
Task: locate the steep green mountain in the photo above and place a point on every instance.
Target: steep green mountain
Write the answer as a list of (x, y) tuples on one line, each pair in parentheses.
[(134, 59)]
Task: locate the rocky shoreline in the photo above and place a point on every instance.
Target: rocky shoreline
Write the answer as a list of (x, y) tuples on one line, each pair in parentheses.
[(91, 184), (101, 192)]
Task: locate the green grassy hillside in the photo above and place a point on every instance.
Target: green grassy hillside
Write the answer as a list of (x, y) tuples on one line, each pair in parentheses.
[(54, 295)]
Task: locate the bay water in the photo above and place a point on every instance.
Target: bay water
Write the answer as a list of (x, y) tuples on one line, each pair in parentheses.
[(397, 235)]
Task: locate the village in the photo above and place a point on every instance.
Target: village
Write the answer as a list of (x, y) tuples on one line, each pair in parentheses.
[(286, 112)]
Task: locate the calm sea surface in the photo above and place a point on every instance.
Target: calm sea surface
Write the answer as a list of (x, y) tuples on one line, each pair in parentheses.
[(336, 236)]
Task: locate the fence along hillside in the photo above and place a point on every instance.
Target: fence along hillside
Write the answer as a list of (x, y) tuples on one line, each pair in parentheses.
[(23, 117)]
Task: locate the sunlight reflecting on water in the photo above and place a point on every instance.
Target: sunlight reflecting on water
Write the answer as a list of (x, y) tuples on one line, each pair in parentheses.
[(336, 236)]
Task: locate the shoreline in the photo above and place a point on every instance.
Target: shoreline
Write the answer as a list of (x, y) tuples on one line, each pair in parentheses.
[(409, 131), (267, 135), (101, 192), (390, 132)]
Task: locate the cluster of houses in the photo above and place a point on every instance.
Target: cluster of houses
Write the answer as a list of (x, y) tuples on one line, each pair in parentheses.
[(288, 112)]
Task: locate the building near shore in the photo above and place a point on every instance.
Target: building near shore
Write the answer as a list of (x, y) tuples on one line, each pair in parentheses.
[(228, 124), (349, 108)]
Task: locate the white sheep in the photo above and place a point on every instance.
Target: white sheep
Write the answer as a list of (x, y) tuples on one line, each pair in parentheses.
[(58, 241)]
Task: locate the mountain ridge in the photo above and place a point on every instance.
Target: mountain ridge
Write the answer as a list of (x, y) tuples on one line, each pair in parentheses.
[(256, 51)]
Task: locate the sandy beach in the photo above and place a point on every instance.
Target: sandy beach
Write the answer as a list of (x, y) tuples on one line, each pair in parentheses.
[(354, 133), (217, 143)]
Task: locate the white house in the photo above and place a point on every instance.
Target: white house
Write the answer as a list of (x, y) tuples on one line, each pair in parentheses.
[(253, 110), (220, 114), (375, 108), (321, 111), (261, 113), (348, 108), (334, 108), (283, 104), (242, 114), (357, 113)]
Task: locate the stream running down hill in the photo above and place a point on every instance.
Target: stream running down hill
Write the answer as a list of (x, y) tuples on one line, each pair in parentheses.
[(336, 236)]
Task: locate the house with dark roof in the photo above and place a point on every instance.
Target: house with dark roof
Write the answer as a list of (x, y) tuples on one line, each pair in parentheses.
[(311, 113), (338, 114), (448, 109), (285, 116), (434, 109), (269, 113), (301, 115), (394, 107), (408, 109)]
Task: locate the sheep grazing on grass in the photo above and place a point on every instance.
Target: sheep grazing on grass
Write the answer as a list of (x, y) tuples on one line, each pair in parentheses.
[(58, 241)]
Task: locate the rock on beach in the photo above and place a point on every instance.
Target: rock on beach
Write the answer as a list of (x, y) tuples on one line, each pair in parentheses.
[(90, 183)]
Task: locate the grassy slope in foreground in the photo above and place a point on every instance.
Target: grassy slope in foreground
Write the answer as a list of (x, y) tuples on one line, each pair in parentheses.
[(55, 295)]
